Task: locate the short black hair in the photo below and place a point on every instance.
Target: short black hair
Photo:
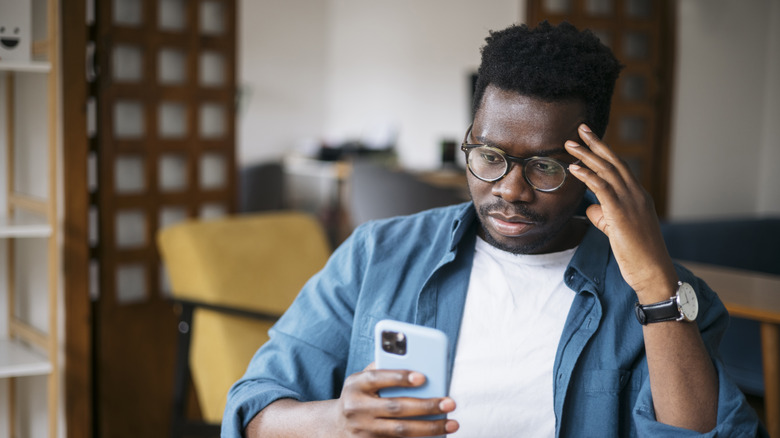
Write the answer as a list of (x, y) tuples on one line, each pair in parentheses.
[(552, 63)]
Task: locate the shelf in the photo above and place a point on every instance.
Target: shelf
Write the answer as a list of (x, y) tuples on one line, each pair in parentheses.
[(31, 104), (26, 66), (17, 360), (24, 228)]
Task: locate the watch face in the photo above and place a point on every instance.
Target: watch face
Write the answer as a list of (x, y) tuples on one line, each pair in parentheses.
[(686, 299)]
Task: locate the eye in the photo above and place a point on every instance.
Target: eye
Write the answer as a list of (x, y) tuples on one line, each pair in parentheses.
[(490, 157), (545, 167)]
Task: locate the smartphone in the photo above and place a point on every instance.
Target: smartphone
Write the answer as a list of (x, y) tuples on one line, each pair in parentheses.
[(403, 346)]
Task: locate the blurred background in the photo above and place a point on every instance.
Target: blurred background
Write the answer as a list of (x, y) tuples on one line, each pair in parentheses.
[(339, 70), (164, 111)]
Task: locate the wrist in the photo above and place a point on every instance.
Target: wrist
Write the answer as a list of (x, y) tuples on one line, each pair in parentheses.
[(657, 294), (660, 287)]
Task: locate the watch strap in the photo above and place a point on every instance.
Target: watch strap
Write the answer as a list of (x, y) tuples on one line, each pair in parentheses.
[(658, 312)]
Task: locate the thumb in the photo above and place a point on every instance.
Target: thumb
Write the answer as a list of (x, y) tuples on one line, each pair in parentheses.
[(596, 216)]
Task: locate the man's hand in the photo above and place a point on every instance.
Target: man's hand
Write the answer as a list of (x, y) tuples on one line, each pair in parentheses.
[(627, 216), (364, 413), (676, 356), (359, 412)]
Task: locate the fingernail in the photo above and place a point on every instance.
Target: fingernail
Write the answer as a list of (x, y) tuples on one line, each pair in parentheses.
[(574, 167), (585, 128), (572, 144), (447, 405), (416, 378)]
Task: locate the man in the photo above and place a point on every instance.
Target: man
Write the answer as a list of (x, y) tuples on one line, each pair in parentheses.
[(540, 304)]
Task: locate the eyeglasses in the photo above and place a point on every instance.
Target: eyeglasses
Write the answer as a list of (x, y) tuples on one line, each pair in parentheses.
[(490, 164)]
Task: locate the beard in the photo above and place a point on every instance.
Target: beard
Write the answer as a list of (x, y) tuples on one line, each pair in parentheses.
[(549, 230), (517, 248)]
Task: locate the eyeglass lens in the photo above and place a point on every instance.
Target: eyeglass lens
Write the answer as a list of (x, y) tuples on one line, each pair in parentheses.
[(542, 173)]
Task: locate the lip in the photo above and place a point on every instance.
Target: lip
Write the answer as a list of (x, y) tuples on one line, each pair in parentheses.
[(511, 226)]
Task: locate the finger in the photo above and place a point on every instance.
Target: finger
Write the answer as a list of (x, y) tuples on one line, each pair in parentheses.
[(374, 380), (596, 217), (595, 144), (593, 170), (604, 191), (394, 407), (598, 155), (413, 428), (600, 158)]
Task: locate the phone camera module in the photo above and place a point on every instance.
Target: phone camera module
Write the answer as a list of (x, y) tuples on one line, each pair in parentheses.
[(394, 342)]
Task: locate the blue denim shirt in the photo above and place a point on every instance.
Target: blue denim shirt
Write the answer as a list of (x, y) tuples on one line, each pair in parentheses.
[(417, 269)]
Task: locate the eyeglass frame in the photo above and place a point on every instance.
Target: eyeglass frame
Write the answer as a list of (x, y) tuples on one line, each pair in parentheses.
[(467, 147)]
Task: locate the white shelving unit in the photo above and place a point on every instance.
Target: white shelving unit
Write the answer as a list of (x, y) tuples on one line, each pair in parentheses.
[(31, 347), (20, 228), (26, 66), (16, 360)]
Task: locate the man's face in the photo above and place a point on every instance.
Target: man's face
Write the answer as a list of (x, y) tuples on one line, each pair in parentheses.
[(514, 216)]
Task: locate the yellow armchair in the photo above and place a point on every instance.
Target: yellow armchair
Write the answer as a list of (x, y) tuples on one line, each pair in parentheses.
[(233, 277)]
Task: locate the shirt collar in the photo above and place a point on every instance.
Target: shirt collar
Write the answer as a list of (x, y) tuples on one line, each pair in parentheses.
[(462, 224), (590, 260)]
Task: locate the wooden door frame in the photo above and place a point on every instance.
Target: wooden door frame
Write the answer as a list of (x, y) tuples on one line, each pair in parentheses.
[(78, 387)]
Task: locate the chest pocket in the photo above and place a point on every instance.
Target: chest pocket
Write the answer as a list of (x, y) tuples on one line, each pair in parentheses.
[(610, 397)]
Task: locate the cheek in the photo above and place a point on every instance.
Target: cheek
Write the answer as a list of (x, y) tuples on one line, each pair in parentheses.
[(478, 189)]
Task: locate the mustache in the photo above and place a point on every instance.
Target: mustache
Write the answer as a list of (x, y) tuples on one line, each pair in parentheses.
[(509, 209)]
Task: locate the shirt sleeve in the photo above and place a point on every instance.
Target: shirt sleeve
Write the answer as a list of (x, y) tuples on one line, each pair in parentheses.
[(735, 416), (305, 357)]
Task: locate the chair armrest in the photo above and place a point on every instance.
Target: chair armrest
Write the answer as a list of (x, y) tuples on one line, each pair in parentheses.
[(192, 304)]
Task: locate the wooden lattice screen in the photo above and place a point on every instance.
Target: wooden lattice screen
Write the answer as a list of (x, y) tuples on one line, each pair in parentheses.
[(162, 150), (641, 33)]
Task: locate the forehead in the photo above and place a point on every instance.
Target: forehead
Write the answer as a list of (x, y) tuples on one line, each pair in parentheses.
[(521, 124)]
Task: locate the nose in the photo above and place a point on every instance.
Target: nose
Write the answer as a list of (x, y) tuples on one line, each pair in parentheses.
[(513, 187)]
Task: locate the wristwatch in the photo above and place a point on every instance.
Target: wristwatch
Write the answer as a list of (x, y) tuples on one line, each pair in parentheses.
[(683, 306)]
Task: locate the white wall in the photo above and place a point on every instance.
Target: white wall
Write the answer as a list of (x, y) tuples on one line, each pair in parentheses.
[(283, 58), (769, 179), (333, 70), (405, 63), (726, 138)]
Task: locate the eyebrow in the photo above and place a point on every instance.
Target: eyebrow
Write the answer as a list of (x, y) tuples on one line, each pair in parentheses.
[(543, 153)]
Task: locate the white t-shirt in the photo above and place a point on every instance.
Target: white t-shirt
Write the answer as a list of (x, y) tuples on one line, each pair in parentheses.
[(515, 310)]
